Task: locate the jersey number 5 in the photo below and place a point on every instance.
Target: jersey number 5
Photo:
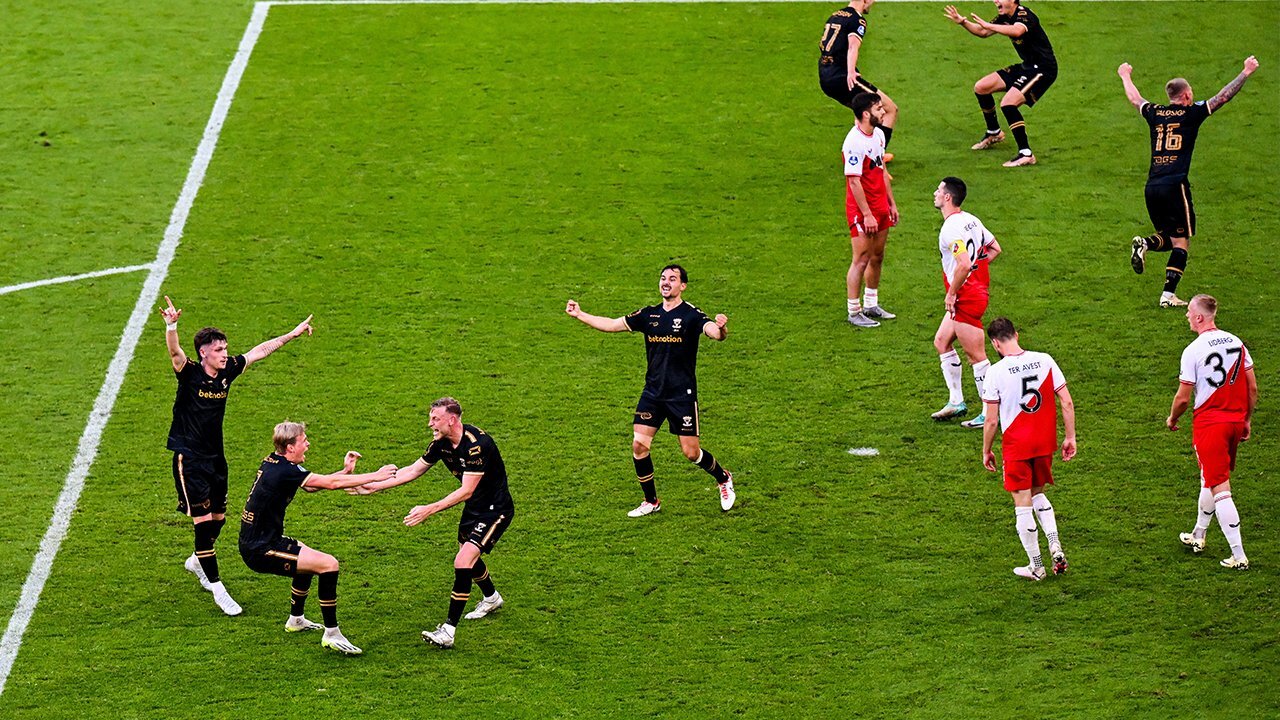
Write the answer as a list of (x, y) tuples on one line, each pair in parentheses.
[(1031, 399), (1167, 138), (1216, 361)]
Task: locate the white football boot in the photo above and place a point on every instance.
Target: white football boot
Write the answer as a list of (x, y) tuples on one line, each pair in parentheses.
[(727, 495), (335, 640), (1196, 544), (193, 566), (485, 607), (224, 601), (300, 623), (646, 508), (1236, 563), (442, 636), (1030, 573)]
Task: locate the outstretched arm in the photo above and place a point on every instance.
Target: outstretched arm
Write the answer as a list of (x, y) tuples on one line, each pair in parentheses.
[(171, 339), (603, 324), (422, 512), (262, 350), (974, 28), (402, 476), (344, 479), (1225, 94), (1125, 71)]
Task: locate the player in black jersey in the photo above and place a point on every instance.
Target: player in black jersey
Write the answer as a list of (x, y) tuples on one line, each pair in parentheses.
[(195, 437), (1024, 83), (266, 549), (473, 458), (1174, 128), (671, 331), (838, 62)]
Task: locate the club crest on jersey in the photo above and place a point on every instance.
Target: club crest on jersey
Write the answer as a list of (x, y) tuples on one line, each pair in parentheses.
[(675, 324)]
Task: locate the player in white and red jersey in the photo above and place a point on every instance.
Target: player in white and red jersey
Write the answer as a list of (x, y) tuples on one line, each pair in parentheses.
[(870, 208), (1217, 367), (966, 248), (1022, 391)]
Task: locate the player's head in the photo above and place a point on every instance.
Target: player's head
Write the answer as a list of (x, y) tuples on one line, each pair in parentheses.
[(1179, 91), (445, 416), (211, 347), (1202, 311), (950, 189), (867, 104), (1006, 7), (1003, 335), (290, 439), (672, 281)]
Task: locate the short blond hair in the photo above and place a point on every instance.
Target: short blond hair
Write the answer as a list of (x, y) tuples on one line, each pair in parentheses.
[(286, 434), (1207, 304), (1175, 87)]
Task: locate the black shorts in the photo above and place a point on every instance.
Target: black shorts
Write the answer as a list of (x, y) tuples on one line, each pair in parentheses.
[(681, 415), (1172, 212), (279, 557), (1033, 81), (837, 88), (201, 484), (484, 531)]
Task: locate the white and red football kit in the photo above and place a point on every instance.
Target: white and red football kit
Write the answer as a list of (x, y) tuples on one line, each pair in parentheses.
[(864, 159), (1215, 363), (1025, 386), (964, 233)]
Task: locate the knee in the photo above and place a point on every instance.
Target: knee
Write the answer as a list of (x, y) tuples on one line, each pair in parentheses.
[(691, 452), (329, 565), (941, 345), (639, 449), (980, 89)]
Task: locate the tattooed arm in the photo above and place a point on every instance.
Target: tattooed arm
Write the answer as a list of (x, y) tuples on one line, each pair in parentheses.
[(1225, 94)]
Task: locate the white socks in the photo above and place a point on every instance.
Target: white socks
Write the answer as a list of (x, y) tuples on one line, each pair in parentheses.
[(1027, 534), (1205, 514), (980, 374), (950, 362), (1048, 523), (855, 306), (1229, 521), (871, 297)]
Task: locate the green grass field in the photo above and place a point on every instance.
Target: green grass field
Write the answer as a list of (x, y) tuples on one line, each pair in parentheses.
[(434, 182)]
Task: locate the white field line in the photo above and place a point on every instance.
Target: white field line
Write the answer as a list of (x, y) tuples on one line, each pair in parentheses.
[(88, 448), (71, 278)]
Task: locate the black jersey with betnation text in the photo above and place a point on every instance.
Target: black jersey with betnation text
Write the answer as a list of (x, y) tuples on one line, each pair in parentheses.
[(1033, 47), (199, 407), (834, 45), (671, 343), (262, 521), (476, 453), (1173, 136)]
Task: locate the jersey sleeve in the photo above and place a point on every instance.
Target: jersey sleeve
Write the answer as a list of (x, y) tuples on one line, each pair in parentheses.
[(860, 30), (1187, 373), (1025, 17), (853, 156), (187, 370), (1148, 111), (1248, 359), (635, 321), (298, 475), (1059, 380), (991, 389), (432, 454), (1201, 111), (235, 366), (478, 455)]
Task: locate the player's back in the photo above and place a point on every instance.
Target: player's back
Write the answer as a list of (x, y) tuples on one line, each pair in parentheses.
[(1215, 363), (834, 45), (1025, 385), (1174, 129), (964, 232)]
